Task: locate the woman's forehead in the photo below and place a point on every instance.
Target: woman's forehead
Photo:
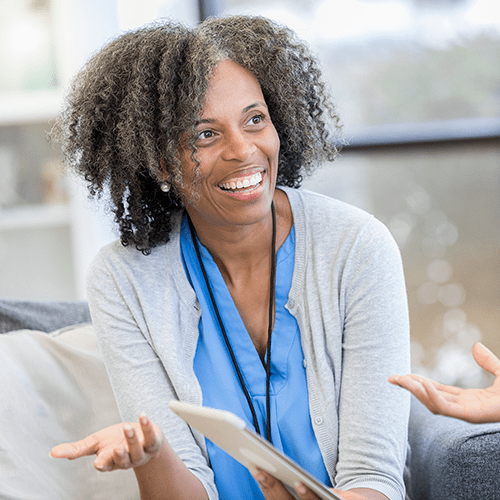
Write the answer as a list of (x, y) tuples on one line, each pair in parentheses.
[(231, 84)]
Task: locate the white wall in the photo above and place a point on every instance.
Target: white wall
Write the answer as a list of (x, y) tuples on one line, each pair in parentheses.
[(82, 27)]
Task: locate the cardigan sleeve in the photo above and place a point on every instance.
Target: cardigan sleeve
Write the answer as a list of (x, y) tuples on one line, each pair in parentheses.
[(373, 414), (132, 321)]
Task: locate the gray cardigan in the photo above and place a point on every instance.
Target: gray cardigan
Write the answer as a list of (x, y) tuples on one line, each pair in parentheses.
[(348, 296)]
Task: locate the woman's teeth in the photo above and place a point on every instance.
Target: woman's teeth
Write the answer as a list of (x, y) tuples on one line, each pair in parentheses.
[(247, 182)]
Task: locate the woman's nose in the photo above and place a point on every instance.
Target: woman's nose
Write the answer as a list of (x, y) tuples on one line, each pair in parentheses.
[(238, 146)]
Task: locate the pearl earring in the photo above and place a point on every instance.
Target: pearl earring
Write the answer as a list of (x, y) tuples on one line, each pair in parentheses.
[(165, 187)]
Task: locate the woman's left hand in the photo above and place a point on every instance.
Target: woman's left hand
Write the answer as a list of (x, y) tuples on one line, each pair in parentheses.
[(274, 490)]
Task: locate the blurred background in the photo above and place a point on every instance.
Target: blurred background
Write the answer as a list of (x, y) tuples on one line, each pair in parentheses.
[(417, 85)]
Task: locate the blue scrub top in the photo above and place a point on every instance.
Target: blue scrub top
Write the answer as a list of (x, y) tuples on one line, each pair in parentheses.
[(291, 428)]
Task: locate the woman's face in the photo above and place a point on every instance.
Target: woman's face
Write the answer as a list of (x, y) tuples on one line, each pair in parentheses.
[(238, 149)]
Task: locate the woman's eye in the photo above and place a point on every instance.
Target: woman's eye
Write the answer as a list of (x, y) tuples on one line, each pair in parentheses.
[(205, 134), (255, 120)]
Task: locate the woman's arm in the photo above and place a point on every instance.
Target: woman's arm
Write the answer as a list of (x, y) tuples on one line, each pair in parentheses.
[(373, 417), (166, 476), (143, 343), (160, 473)]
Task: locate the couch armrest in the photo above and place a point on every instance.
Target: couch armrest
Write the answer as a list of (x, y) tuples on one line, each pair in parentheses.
[(452, 459), (44, 316)]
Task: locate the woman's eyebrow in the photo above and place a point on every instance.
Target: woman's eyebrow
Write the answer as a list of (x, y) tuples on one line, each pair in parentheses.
[(245, 110), (205, 120), (254, 105)]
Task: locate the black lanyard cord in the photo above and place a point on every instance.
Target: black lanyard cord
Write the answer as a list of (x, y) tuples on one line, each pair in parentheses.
[(272, 287), (269, 331)]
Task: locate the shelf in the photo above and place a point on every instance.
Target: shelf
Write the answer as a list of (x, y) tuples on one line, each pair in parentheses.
[(19, 108), (34, 217)]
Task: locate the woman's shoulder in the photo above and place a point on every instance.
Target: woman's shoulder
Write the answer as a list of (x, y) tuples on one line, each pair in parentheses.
[(331, 222), (116, 259), (312, 200), (117, 254), (320, 209)]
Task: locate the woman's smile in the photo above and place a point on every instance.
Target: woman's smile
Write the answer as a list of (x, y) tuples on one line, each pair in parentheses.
[(246, 186), (242, 182)]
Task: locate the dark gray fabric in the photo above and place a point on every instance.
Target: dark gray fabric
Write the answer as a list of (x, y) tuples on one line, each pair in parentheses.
[(44, 316), (452, 459)]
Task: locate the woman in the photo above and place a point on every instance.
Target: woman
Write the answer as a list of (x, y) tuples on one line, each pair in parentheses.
[(191, 132)]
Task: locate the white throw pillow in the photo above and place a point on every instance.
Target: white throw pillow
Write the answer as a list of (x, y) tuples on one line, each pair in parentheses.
[(54, 389)]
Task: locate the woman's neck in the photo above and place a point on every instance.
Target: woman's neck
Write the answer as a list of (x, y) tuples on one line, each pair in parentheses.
[(238, 251), (241, 250)]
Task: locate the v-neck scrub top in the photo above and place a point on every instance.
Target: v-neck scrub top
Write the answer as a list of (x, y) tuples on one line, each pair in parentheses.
[(291, 427)]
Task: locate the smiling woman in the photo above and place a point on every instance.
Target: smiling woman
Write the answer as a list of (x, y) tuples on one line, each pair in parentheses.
[(231, 287)]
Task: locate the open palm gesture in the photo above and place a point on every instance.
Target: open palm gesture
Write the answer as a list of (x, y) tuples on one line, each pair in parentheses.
[(471, 405), (120, 446)]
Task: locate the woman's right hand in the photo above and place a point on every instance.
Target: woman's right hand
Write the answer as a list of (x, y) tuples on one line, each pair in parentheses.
[(120, 446)]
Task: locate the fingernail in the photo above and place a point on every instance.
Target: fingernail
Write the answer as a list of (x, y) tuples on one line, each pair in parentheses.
[(143, 419), (259, 477), (129, 431), (301, 489)]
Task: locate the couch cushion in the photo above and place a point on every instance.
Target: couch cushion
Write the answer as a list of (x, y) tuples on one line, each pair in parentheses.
[(452, 459), (54, 389), (45, 316)]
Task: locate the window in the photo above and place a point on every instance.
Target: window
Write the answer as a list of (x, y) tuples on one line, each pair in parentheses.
[(27, 55), (417, 86)]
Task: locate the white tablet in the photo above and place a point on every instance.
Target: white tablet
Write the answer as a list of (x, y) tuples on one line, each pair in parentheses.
[(229, 431)]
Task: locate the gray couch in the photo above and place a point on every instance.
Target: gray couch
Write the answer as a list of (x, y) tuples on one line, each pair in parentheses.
[(54, 389)]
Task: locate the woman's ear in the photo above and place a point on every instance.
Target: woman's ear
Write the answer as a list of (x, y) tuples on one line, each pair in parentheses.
[(164, 175)]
